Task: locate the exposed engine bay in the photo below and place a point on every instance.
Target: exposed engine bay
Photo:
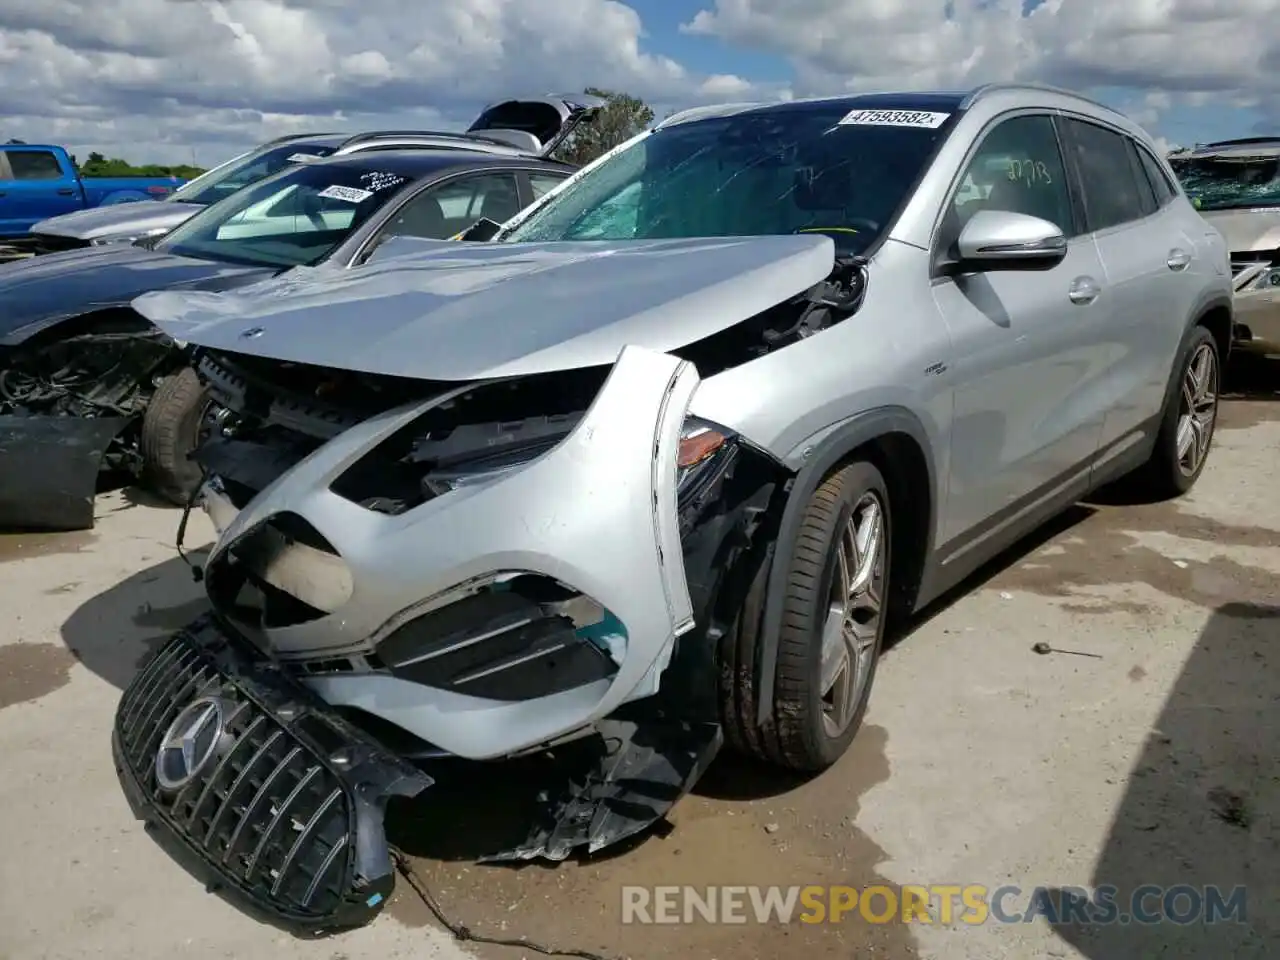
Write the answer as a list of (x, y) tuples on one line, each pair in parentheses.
[(69, 414)]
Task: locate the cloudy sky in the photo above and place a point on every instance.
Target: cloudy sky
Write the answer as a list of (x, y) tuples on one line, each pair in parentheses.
[(169, 80)]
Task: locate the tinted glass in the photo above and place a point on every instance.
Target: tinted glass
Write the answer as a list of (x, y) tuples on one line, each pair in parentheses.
[(441, 212), (1018, 168), (816, 169), (1159, 179), (224, 181), (1221, 184), (543, 183), (1146, 192), (1112, 191), (296, 217), (34, 165)]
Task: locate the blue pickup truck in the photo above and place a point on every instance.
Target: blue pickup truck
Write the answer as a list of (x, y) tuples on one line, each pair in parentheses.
[(38, 181)]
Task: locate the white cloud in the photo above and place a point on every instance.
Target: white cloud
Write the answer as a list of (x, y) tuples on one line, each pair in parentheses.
[(155, 79), (159, 79), (1226, 50)]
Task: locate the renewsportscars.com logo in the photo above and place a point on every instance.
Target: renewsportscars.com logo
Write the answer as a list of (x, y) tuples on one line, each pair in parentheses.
[(944, 904)]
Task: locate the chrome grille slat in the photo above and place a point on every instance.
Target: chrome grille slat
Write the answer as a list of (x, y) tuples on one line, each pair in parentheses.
[(185, 792), (234, 789), (278, 818), (179, 689), (302, 837), (151, 681), (211, 785), (258, 798), (325, 866)]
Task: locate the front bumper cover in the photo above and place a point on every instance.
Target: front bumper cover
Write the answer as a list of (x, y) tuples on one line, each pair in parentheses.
[(286, 816)]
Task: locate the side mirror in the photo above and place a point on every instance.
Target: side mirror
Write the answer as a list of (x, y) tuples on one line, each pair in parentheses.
[(1003, 240), (480, 231)]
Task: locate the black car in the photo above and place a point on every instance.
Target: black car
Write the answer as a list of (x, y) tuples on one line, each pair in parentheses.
[(87, 386)]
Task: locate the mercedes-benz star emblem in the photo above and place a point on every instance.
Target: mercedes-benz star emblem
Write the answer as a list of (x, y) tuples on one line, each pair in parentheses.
[(190, 743)]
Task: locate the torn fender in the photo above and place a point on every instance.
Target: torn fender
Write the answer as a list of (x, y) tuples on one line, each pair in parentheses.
[(49, 470)]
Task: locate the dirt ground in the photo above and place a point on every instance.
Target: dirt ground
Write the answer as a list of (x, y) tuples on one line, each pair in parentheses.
[(1151, 759)]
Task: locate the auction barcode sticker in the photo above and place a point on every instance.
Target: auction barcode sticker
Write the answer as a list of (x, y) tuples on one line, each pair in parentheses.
[(349, 194), (895, 118)]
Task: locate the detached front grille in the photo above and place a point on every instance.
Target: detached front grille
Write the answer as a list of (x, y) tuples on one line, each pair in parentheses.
[(273, 811)]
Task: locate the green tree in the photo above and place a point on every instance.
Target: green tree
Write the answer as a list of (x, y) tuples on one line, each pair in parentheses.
[(98, 165), (622, 118)]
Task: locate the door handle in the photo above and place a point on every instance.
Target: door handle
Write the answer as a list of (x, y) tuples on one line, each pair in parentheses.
[(65, 192), (1178, 259), (1084, 290)]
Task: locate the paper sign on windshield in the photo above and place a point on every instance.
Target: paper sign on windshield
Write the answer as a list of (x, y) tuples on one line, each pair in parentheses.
[(895, 118), (304, 157), (349, 194)]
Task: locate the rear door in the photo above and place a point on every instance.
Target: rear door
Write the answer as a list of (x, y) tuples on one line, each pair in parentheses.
[(1028, 345), (34, 185), (1145, 259)]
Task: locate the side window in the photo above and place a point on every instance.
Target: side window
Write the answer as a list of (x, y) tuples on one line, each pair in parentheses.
[(1146, 192), (1017, 168), (438, 213), (1160, 183), (1112, 192), (543, 183), (34, 165)]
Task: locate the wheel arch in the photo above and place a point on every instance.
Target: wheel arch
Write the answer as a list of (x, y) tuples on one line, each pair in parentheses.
[(895, 440), (51, 328)]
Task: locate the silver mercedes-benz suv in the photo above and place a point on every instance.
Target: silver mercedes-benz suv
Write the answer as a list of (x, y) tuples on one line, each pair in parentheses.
[(651, 468)]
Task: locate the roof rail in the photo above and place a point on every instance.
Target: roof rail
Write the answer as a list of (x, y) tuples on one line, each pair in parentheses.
[(442, 139), (986, 89), (706, 112)]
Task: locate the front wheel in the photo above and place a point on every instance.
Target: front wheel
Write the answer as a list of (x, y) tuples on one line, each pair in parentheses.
[(171, 430), (833, 620)]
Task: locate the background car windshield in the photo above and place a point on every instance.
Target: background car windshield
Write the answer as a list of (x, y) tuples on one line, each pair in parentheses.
[(295, 218), (1220, 184), (223, 181), (774, 172)]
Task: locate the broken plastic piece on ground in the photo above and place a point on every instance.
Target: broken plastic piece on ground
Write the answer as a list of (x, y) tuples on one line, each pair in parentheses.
[(641, 772), (49, 469)]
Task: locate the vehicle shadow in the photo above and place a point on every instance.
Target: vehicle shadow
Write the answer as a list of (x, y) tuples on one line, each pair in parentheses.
[(113, 633), (1201, 810), (1249, 377)]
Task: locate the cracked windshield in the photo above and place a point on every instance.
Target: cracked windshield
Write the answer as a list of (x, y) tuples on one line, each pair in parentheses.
[(821, 170), (1214, 183)]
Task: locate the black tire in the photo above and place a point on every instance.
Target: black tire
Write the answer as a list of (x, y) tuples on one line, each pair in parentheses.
[(170, 433), (800, 734), (1166, 474)]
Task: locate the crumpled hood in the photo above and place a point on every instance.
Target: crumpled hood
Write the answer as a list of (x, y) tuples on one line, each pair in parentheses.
[(462, 311), (42, 290), (1247, 231), (118, 219)]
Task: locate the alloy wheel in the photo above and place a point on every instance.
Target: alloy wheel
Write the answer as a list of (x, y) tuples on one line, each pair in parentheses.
[(1198, 409), (852, 625)]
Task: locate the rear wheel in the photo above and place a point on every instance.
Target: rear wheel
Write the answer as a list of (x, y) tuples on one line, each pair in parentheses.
[(833, 620), (171, 431), (1186, 428)]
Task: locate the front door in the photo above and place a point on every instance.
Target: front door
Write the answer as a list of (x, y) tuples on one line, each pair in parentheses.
[(1028, 346)]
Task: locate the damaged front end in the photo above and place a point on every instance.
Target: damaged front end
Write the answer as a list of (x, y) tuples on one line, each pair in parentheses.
[(69, 410), (489, 569)]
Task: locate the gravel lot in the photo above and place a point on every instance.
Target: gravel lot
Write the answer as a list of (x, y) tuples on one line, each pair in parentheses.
[(981, 762)]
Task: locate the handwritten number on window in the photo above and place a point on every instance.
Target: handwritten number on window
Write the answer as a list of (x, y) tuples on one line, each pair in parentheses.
[(1029, 172)]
